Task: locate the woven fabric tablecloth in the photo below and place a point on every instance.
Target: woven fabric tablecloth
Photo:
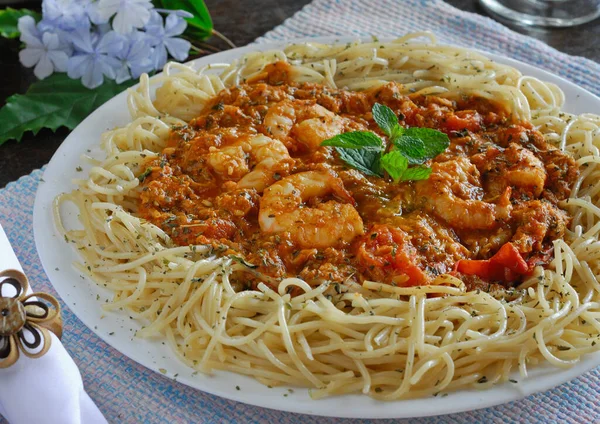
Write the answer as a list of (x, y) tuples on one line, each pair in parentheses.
[(129, 393)]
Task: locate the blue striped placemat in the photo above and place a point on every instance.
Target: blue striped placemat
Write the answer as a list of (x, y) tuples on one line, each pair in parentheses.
[(128, 393)]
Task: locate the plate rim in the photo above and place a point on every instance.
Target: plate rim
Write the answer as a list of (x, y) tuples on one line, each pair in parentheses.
[(376, 409)]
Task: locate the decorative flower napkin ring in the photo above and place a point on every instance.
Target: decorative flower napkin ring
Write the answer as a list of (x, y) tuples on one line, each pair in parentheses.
[(24, 319)]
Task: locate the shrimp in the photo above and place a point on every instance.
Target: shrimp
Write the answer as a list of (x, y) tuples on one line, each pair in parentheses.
[(309, 122), (538, 221), (515, 167), (270, 158), (562, 171), (331, 223), (453, 193), (524, 169)]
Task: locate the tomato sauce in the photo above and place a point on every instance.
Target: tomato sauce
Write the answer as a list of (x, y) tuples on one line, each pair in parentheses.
[(498, 184)]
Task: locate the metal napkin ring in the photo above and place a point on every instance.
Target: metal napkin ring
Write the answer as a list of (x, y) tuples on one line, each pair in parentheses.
[(25, 320)]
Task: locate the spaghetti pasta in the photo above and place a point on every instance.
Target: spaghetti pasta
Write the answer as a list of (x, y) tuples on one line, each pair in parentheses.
[(385, 341)]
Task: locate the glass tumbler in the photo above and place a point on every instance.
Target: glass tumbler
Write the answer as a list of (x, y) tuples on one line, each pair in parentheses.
[(548, 13)]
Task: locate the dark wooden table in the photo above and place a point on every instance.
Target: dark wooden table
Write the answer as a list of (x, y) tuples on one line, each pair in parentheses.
[(242, 24)]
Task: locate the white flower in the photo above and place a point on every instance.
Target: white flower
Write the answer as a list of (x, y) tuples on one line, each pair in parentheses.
[(129, 14), (43, 50)]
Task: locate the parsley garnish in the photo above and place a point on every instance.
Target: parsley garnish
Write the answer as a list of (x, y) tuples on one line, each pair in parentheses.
[(143, 176), (243, 261), (410, 148)]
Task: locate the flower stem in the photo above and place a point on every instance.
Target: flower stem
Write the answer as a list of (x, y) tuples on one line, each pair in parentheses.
[(209, 47), (204, 46), (222, 37), (197, 50)]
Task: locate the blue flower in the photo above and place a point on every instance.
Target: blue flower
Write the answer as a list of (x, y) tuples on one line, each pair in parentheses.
[(43, 50), (65, 15), (180, 13), (128, 14), (134, 57), (162, 38), (94, 57)]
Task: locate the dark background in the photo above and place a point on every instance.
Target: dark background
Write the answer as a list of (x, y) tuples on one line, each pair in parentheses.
[(241, 22)]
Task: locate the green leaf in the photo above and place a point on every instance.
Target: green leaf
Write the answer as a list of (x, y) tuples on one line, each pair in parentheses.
[(416, 173), (362, 150), (57, 101), (354, 140), (397, 132), (366, 160), (411, 147), (201, 25), (395, 164), (435, 141), (385, 118), (9, 19)]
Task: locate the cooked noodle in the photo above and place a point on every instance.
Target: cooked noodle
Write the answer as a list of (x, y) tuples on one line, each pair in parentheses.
[(388, 342)]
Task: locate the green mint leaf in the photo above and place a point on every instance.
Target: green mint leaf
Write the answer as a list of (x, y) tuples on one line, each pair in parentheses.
[(397, 132), (354, 140), (416, 173), (57, 101), (200, 26), (395, 164), (366, 160), (435, 141), (411, 147), (385, 118), (9, 19)]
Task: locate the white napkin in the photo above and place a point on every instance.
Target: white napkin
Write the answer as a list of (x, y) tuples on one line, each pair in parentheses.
[(48, 389)]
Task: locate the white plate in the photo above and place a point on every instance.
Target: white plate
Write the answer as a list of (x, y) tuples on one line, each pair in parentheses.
[(117, 329)]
